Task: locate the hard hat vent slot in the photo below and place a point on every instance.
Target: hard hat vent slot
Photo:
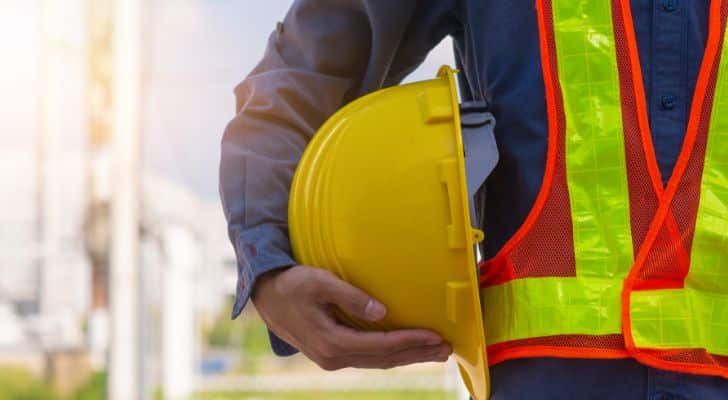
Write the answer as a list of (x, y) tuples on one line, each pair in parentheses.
[(449, 177), (446, 194), (435, 106)]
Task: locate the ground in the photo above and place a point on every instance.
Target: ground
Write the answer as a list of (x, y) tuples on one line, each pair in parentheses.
[(403, 395)]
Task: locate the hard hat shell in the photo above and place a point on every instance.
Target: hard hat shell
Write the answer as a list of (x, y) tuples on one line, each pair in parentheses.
[(380, 199)]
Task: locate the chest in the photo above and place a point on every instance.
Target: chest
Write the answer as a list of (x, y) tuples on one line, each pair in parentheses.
[(499, 41)]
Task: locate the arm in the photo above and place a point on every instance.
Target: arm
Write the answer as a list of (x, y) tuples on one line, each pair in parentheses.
[(324, 54)]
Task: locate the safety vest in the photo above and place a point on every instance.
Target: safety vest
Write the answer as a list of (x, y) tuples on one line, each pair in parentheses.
[(611, 263)]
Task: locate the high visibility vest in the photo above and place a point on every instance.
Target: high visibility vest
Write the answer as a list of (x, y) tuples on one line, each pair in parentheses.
[(611, 263)]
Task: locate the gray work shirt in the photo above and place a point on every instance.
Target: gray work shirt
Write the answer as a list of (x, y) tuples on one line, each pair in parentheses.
[(323, 55)]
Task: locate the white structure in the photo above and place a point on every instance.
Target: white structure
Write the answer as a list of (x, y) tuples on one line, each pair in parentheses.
[(12, 332), (125, 363), (179, 339)]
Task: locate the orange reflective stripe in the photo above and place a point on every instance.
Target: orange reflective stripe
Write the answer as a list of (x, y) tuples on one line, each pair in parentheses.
[(635, 335)]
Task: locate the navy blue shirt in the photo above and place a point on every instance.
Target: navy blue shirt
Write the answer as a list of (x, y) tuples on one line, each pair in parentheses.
[(327, 52), (671, 37)]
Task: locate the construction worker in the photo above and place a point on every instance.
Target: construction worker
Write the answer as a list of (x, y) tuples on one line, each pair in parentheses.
[(606, 272)]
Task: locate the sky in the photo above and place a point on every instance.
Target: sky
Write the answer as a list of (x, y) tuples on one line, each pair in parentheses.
[(195, 53), (199, 52)]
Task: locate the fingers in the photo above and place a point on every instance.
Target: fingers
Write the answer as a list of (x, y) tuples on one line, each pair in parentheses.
[(343, 341), (298, 308), (437, 353), (353, 342), (345, 347), (350, 299)]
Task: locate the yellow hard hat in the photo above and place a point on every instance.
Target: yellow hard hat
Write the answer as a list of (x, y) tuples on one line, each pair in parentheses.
[(382, 197)]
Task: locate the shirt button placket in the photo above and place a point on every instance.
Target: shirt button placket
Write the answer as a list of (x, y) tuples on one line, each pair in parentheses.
[(669, 5), (667, 101), (668, 111)]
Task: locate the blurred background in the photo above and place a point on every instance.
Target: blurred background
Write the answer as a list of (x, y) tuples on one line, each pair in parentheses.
[(116, 274)]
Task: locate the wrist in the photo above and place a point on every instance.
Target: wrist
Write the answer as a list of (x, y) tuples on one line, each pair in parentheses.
[(263, 282)]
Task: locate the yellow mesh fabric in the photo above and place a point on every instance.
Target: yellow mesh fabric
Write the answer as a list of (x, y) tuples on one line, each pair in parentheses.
[(597, 183), (697, 316)]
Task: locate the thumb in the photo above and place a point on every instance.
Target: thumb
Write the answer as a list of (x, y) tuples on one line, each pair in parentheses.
[(351, 300)]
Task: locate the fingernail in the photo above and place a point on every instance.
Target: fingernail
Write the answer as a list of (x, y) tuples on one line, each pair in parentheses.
[(375, 310)]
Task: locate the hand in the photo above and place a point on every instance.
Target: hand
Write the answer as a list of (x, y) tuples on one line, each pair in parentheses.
[(296, 304)]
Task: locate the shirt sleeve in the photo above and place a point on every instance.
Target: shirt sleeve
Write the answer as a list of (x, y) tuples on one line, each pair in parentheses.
[(324, 54)]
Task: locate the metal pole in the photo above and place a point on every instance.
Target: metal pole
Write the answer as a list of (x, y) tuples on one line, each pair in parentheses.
[(125, 365), (40, 157), (51, 68), (56, 47)]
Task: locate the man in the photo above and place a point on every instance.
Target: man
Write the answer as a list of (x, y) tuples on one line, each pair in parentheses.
[(518, 56)]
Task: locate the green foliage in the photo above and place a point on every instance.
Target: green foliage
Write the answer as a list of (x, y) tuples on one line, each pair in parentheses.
[(19, 384), (254, 337), (222, 333), (247, 333), (94, 389)]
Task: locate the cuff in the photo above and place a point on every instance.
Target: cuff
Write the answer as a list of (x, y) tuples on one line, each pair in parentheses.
[(259, 250), (280, 346)]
